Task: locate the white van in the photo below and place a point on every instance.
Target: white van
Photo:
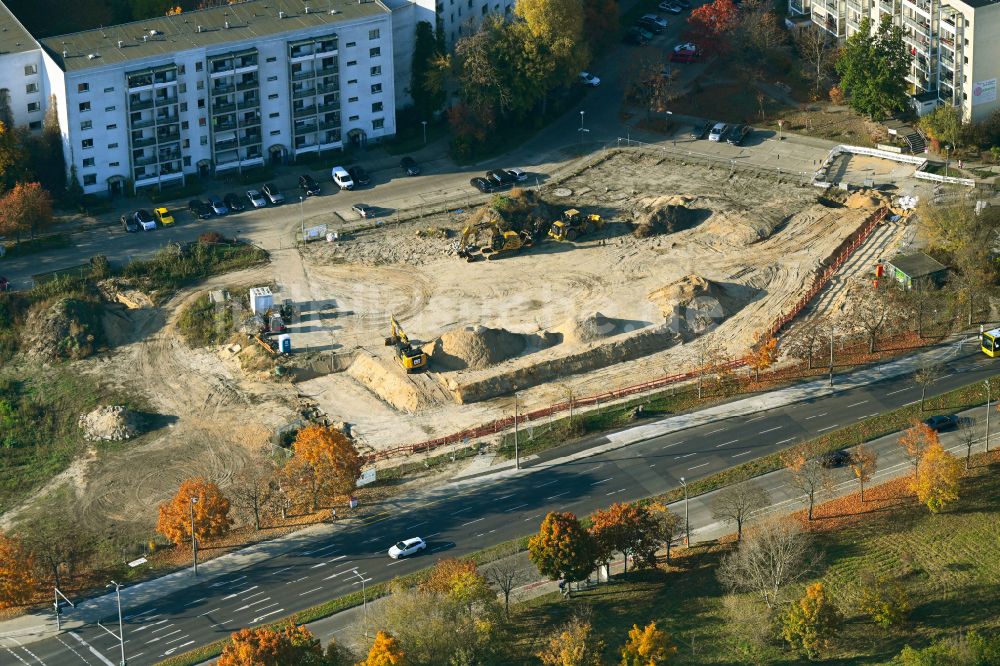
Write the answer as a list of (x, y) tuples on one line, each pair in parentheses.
[(342, 178)]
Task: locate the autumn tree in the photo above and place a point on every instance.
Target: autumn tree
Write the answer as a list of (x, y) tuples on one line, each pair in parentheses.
[(16, 579), (817, 50), (712, 25), (13, 159), (628, 529), (968, 435), (506, 574), (928, 373), (738, 502), (56, 541), (563, 548), (385, 651), (864, 462), (333, 458), (812, 621), (298, 485), (763, 354), (600, 21), (211, 512), (290, 645), (808, 475), (573, 644), (808, 339), (648, 646), (915, 441), (936, 482), (884, 600), (26, 208), (253, 487), (872, 310), (772, 555), (668, 524)]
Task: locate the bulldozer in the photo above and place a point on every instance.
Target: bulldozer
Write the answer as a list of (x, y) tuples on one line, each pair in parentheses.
[(575, 224), (411, 358), (502, 243)]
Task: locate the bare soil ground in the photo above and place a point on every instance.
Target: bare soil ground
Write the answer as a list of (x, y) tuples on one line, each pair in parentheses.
[(758, 241)]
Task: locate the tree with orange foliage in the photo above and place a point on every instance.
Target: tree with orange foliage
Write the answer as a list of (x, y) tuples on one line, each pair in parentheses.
[(290, 645), (211, 512), (16, 578), (711, 26), (626, 528), (333, 458), (915, 440), (808, 473), (763, 354), (648, 646), (385, 652), (936, 482), (563, 548), (26, 208), (298, 485), (864, 462)]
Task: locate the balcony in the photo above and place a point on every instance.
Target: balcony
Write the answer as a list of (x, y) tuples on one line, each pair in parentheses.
[(304, 129), (140, 105), (141, 124), (248, 85), (949, 25), (304, 111), (249, 103), (221, 66), (224, 127), (919, 27), (327, 88), (328, 70), (329, 125), (251, 121), (144, 142), (228, 144), (328, 107), (329, 46), (168, 137), (250, 139), (167, 120), (166, 101), (947, 43), (220, 109), (303, 75), (223, 89), (920, 6), (921, 44), (140, 82), (856, 6), (143, 161), (304, 92), (887, 7), (172, 156)]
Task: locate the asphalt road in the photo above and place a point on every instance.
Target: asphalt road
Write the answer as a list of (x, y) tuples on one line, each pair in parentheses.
[(469, 521)]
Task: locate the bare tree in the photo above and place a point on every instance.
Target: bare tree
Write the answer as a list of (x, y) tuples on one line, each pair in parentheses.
[(774, 554), (668, 524), (967, 434), (738, 502), (871, 311), (864, 462), (507, 573), (56, 540), (928, 373), (807, 472), (254, 487), (818, 51)]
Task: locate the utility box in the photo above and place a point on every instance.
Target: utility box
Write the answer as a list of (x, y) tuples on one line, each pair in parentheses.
[(261, 299), (285, 343)]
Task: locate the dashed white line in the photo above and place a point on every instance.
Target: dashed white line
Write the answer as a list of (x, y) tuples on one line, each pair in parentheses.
[(899, 390), (394, 562), (132, 617), (715, 431), (615, 492), (697, 466), (147, 626), (827, 428), (757, 418), (297, 580), (770, 430), (319, 550), (279, 571), (742, 454), (719, 446), (461, 511), (432, 535), (537, 515), (867, 416), (226, 582), (815, 416), (174, 649), (515, 508), (315, 589), (205, 613), (477, 520), (179, 638), (256, 603), (547, 483), (857, 403), (162, 628), (784, 441), (261, 617), (597, 483), (686, 455), (160, 638), (497, 500), (236, 594), (559, 495), (667, 446)]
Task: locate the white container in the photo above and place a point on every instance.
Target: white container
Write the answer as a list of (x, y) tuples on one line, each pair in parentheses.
[(261, 299)]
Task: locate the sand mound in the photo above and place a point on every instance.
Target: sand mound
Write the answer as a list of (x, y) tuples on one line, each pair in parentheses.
[(66, 329), (865, 200), (590, 328), (735, 228), (693, 304), (475, 348), (110, 423), (663, 214)]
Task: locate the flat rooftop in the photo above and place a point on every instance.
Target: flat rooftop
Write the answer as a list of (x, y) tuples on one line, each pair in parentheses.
[(164, 35), (13, 37), (917, 265)]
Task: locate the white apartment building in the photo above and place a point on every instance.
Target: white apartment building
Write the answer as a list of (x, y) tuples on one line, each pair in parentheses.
[(144, 104), (22, 83), (954, 45)]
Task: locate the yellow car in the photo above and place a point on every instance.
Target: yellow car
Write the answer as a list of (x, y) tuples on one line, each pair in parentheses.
[(163, 216)]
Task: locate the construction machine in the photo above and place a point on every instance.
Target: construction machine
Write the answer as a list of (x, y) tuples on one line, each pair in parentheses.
[(502, 243), (411, 358), (466, 248), (575, 224)]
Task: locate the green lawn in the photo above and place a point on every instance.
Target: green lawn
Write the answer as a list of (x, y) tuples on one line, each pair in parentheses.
[(947, 563)]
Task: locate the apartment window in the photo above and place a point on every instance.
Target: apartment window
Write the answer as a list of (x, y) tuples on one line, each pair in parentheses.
[(30, 69), (376, 70), (200, 85), (184, 124), (352, 63), (31, 88), (376, 88), (182, 88), (186, 143), (184, 107), (87, 144), (273, 96), (187, 160), (86, 124), (272, 59), (350, 44), (84, 107), (378, 123), (375, 52), (112, 146), (198, 66), (353, 118), (35, 125), (204, 141), (83, 87), (272, 78), (275, 132), (109, 89), (109, 109), (352, 99), (201, 122), (273, 115), (373, 34), (88, 162), (376, 106), (485, 9), (112, 126), (352, 81), (90, 179), (181, 69), (201, 103), (113, 164), (34, 106)]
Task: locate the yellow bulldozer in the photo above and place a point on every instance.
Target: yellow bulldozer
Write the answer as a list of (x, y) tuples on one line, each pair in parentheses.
[(575, 224), (411, 358), (503, 242)]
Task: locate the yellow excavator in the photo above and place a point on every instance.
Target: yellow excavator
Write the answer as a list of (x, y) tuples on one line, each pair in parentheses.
[(411, 358), (502, 242), (575, 224)]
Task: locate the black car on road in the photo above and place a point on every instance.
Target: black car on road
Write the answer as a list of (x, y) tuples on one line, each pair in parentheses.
[(200, 209), (129, 224), (835, 459), (359, 175), (483, 185), (233, 203), (501, 177), (409, 166), (701, 129), (309, 185), (942, 422), (738, 135)]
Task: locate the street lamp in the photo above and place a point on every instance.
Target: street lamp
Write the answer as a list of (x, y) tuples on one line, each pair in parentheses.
[(364, 598), (947, 157), (121, 631), (781, 123), (687, 523), (302, 218), (517, 452), (194, 540), (989, 396), (424, 123), (582, 129)]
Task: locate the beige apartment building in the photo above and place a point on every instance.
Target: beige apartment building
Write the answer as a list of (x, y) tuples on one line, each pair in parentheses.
[(954, 45)]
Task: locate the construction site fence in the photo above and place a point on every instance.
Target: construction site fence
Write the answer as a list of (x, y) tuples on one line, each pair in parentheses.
[(678, 152)]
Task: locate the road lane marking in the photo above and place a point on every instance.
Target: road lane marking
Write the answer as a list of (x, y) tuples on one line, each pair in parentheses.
[(203, 614), (261, 617), (179, 638), (368, 580), (743, 454), (827, 428), (236, 594), (757, 418), (160, 638), (173, 649), (547, 483), (315, 589), (132, 617), (226, 582), (254, 595), (667, 446), (496, 500), (784, 440), (719, 446), (318, 550), (597, 483), (71, 649), (473, 521), (715, 431), (196, 601), (868, 416), (944, 376), (280, 570), (857, 403), (565, 492), (18, 657), (815, 416), (686, 455), (256, 603), (899, 390), (147, 626), (653, 465), (162, 628), (515, 508), (770, 430), (396, 562), (461, 511), (614, 492), (297, 580), (593, 469), (537, 515), (697, 466), (433, 535), (374, 538)]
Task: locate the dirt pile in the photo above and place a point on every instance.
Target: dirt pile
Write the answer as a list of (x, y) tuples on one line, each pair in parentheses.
[(866, 200), (388, 382), (693, 303), (474, 348), (115, 290), (66, 329), (109, 423), (739, 229), (517, 210), (590, 328), (664, 214)]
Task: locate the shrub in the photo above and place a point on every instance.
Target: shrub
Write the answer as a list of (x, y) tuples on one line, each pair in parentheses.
[(204, 323), (211, 237)]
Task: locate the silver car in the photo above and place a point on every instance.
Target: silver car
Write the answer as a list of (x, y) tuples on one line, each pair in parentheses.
[(257, 199)]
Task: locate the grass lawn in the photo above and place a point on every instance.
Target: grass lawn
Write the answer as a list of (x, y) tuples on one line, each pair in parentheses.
[(947, 563)]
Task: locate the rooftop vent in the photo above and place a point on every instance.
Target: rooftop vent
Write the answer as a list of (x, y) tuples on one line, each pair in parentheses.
[(199, 28), (307, 9), (227, 25), (65, 54), (91, 56), (154, 33), (281, 15), (120, 43)]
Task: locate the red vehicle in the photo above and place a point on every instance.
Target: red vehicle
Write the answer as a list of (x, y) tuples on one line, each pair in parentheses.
[(4, 284), (685, 53)]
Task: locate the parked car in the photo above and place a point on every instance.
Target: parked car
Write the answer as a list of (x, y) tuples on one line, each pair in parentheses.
[(654, 18), (218, 205), (129, 224), (273, 194), (942, 422), (701, 129), (144, 219), (649, 26), (589, 79), (200, 209), (835, 459), (409, 166), (718, 132), (257, 199), (309, 185), (683, 4), (519, 175), (342, 178), (739, 134), (483, 184), (634, 36), (364, 210), (686, 52), (670, 6), (233, 203), (359, 175), (4, 284), (501, 177), (163, 216), (407, 547), (644, 34)]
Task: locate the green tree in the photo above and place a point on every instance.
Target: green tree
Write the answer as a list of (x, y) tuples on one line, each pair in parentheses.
[(944, 124), (872, 68), (562, 548), (13, 158), (427, 97), (972, 649), (884, 600), (812, 621)]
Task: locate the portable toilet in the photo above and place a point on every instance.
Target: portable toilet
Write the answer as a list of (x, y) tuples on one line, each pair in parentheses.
[(285, 343), (261, 299)]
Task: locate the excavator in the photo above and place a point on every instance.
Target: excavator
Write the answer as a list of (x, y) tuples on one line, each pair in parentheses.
[(502, 243), (575, 224), (411, 358)]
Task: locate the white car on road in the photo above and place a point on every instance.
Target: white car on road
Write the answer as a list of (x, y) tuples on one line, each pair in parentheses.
[(342, 178), (407, 548), (589, 79)]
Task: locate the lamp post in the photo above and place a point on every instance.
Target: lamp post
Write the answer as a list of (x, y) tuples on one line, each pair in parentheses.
[(424, 123), (687, 523), (582, 129), (947, 157), (121, 631), (781, 123), (832, 331), (517, 452), (989, 396), (302, 219), (364, 598), (194, 540)]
